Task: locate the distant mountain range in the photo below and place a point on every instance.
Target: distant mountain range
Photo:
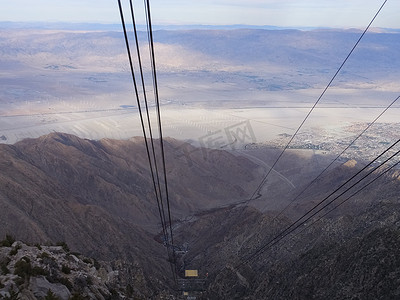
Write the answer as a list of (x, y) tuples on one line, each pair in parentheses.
[(239, 64), (118, 27), (101, 26)]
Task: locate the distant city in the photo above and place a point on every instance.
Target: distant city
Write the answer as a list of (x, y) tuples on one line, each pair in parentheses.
[(379, 137)]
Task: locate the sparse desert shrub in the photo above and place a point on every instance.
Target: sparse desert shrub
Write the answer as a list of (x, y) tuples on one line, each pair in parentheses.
[(8, 241), (129, 290), (96, 264), (13, 294), (4, 270), (64, 246), (14, 251), (44, 255), (78, 296), (36, 271), (114, 295), (81, 282), (49, 261), (23, 268), (53, 276), (66, 282), (87, 261), (51, 296), (19, 281), (26, 258), (65, 269), (3, 266)]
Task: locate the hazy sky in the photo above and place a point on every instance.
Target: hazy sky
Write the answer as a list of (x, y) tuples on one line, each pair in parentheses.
[(331, 13)]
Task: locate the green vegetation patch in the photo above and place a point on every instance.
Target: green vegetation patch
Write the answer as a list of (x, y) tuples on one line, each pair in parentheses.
[(8, 241)]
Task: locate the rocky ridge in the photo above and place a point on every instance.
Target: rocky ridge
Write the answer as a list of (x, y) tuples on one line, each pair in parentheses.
[(53, 272), (60, 187), (97, 197)]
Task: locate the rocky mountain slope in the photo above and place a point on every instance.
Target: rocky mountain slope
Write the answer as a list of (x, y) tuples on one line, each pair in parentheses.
[(352, 256), (112, 178), (349, 254), (42, 272), (96, 197)]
